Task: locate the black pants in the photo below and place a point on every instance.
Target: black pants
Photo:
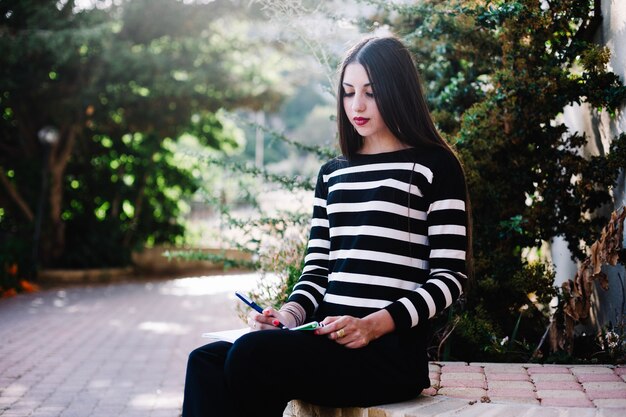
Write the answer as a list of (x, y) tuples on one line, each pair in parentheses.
[(262, 371)]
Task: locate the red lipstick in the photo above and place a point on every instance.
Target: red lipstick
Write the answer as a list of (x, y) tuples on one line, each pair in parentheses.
[(360, 121)]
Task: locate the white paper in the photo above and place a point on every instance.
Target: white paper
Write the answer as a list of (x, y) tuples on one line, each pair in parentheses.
[(227, 335)]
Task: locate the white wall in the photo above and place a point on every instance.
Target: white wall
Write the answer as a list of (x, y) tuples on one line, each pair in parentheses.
[(608, 306)]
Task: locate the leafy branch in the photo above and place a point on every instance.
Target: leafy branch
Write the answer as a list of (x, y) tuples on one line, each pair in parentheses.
[(290, 183), (295, 15), (321, 151)]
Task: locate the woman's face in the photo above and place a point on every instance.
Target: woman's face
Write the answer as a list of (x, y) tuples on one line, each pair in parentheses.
[(360, 105)]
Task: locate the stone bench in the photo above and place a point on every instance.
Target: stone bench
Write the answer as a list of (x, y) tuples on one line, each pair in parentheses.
[(421, 406)]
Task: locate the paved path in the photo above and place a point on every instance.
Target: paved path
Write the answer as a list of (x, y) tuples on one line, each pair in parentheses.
[(121, 350), (108, 350)]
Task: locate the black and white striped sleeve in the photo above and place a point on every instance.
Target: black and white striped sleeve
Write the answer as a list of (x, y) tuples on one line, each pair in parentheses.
[(447, 237), (311, 286)]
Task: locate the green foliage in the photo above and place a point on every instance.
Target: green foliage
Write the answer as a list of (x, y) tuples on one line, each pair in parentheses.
[(288, 182), (476, 333), (473, 334), (319, 151), (122, 84), (606, 346), (280, 253), (498, 75), (293, 115), (143, 190)]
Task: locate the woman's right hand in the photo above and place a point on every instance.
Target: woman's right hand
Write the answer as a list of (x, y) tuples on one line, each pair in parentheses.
[(270, 319)]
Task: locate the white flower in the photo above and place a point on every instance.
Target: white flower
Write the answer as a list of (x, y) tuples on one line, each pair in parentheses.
[(612, 339)]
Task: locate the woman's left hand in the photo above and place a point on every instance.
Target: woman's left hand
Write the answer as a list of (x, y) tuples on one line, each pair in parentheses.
[(355, 333)]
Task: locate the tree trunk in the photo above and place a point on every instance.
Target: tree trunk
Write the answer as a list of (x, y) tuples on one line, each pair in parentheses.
[(16, 197), (53, 242)]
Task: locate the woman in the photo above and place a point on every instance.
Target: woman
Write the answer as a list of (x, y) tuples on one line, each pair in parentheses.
[(387, 251)]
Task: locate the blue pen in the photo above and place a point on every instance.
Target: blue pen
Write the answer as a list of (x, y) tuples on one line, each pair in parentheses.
[(255, 306)]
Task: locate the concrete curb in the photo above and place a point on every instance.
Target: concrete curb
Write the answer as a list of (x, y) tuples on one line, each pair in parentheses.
[(150, 262), (85, 275)]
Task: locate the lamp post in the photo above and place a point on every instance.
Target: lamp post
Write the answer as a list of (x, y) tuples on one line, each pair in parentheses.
[(48, 136)]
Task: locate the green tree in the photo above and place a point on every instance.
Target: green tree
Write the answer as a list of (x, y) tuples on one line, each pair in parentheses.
[(498, 74), (121, 84)]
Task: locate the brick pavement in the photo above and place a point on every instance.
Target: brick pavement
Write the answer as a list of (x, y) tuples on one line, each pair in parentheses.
[(596, 386), (120, 350), (108, 350)]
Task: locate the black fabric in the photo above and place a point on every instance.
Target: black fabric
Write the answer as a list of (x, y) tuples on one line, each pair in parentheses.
[(262, 371)]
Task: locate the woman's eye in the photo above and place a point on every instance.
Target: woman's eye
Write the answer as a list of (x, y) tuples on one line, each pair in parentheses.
[(346, 94), (369, 94)]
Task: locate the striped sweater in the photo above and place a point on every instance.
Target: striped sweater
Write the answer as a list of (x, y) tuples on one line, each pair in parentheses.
[(388, 231)]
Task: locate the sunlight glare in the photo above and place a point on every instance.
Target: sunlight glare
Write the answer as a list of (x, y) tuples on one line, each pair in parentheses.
[(210, 285), (162, 327)]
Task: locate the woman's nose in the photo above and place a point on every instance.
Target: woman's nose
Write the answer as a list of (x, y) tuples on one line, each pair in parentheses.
[(358, 104)]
